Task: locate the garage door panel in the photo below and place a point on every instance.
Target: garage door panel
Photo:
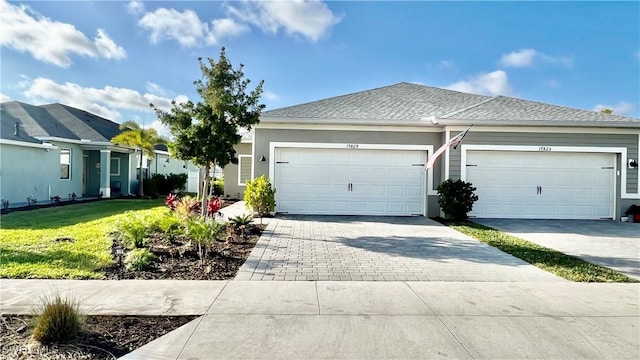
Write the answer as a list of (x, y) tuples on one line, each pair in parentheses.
[(573, 185), (384, 182)]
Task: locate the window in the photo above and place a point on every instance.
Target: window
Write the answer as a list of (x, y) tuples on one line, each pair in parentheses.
[(115, 166), (65, 164), (244, 169)]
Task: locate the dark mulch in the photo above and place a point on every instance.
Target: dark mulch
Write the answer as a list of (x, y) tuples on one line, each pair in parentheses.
[(178, 259), (103, 337)]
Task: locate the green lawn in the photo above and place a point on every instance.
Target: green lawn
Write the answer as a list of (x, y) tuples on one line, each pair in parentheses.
[(563, 265), (66, 242)]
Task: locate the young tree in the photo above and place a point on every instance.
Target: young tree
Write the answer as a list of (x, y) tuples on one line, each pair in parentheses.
[(206, 132), (142, 139)]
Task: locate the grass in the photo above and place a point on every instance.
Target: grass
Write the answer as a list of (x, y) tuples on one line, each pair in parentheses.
[(560, 264), (67, 242)]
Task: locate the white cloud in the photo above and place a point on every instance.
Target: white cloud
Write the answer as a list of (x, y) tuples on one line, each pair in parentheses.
[(156, 89), (187, 28), (311, 19), (528, 57), (162, 129), (621, 108), (184, 27), (51, 41), (228, 27), (105, 102), (4, 98), (493, 83), (135, 7)]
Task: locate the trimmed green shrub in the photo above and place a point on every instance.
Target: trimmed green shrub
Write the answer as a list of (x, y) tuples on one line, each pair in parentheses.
[(161, 184), (139, 259), (58, 320), (218, 186), (259, 195), (456, 198)]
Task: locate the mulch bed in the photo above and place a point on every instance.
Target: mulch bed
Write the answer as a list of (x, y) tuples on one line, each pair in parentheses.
[(104, 337), (110, 337)]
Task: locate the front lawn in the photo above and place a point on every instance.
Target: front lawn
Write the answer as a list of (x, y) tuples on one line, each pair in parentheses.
[(560, 264), (67, 242)]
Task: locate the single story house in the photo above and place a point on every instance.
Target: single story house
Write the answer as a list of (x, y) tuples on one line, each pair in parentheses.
[(365, 154), (57, 150)]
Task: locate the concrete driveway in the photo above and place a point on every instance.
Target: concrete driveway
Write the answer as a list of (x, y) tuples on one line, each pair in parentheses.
[(362, 248), (612, 244)]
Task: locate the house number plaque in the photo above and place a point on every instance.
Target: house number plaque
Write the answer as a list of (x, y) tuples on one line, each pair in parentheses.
[(544, 148), (352, 146)]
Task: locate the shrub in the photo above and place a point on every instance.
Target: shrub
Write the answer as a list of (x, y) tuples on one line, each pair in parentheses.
[(187, 207), (218, 186), (260, 196), (167, 224), (456, 198), (139, 259), (213, 205), (161, 184), (202, 233), (57, 320), (134, 231)]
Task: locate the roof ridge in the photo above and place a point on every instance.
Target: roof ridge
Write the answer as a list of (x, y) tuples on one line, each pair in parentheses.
[(469, 107)]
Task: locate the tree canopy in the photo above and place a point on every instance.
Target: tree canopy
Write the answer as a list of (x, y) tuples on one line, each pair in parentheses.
[(206, 132)]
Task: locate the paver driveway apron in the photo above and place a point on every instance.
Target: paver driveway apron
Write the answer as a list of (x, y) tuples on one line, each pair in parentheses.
[(378, 249)]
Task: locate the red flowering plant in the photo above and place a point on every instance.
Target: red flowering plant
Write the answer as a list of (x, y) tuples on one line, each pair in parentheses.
[(171, 201), (213, 206)]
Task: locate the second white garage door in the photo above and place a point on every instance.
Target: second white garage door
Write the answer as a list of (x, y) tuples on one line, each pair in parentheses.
[(542, 185), (349, 182)]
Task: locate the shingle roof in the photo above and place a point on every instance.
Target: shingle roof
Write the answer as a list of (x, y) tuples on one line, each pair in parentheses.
[(8, 128), (57, 120), (507, 108), (405, 102)]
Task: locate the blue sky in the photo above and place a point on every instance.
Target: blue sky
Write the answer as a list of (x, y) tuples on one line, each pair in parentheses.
[(113, 58)]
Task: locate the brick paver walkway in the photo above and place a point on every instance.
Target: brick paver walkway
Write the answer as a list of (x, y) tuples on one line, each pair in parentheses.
[(378, 249)]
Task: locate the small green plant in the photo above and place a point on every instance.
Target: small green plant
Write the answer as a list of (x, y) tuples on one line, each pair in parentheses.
[(218, 186), (134, 230), (168, 224), (139, 259), (241, 225), (58, 320), (260, 196), (203, 233), (456, 198)]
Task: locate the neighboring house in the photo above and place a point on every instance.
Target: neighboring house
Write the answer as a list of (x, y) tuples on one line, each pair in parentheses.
[(364, 154), (57, 150), (236, 175)]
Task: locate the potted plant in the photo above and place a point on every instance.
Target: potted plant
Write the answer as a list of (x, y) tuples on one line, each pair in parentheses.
[(634, 213)]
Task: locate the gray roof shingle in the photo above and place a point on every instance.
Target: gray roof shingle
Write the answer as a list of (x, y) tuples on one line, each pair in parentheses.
[(401, 102), (57, 120), (406, 102)]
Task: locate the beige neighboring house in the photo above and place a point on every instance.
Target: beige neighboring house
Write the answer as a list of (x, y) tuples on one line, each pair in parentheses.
[(365, 153), (235, 175)]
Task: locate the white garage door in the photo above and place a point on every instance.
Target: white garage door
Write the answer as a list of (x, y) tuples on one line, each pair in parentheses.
[(349, 182), (542, 185)]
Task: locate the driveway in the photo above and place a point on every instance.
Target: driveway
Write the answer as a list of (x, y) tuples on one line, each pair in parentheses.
[(363, 248), (612, 244)]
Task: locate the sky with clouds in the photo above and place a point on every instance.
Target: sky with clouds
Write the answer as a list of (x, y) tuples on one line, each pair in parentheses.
[(114, 58)]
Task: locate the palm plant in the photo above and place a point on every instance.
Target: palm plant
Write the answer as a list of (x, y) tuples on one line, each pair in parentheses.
[(144, 140)]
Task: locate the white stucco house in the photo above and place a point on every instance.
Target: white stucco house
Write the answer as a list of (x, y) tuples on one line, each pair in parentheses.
[(364, 154), (57, 150)]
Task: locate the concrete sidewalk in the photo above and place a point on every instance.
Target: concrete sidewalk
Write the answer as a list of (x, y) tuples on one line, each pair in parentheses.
[(410, 320), (355, 320)]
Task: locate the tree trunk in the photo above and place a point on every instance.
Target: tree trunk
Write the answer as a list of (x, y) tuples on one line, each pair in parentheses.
[(140, 190), (205, 191)]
